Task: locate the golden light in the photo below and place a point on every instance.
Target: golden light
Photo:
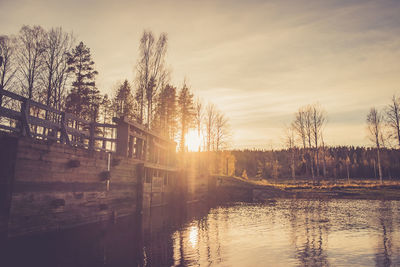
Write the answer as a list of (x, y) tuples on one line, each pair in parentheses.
[(193, 236), (193, 140)]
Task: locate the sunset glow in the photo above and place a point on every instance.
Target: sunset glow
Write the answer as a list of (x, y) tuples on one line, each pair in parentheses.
[(258, 61), (193, 141)]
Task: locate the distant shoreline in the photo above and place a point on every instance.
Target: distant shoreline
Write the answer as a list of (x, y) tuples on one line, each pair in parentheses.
[(389, 190)]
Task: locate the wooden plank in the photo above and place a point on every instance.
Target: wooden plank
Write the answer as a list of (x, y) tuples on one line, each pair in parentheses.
[(104, 149), (79, 144), (139, 136), (77, 132), (9, 113), (11, 95), (32, 103), (69, 116), (45, 107), (44, 123), (5, 127), (145, 130), (45, 136), (106, 125), (159, 167), (105, 139)]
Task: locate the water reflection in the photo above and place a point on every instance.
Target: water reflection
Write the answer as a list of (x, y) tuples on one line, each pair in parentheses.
[(288, 232)]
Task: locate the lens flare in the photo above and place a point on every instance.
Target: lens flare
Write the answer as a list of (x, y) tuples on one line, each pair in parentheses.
[(193, 140)]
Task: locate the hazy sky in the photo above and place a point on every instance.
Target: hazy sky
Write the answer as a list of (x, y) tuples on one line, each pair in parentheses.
[(258, 61)]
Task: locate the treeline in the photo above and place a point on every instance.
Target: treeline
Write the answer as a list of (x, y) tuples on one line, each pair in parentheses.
[(336, 163), (48, 67), (308, 156)]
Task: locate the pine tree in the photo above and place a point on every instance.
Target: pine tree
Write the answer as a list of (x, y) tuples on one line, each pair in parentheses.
[(123, 102), (84, 98), (166, 112), (186, 113)]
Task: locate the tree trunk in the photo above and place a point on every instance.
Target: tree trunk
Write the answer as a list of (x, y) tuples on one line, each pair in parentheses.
[(379, 166), (293, 165)]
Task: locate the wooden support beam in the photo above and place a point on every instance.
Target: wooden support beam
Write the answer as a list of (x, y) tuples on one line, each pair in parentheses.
[(25, 109)]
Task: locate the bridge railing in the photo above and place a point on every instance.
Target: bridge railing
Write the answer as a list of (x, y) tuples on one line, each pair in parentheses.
[(30, 118)]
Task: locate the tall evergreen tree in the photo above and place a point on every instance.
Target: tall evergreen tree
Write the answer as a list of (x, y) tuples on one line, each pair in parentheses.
[(123, 102), (186, 113), (84, 98), (166, 112)]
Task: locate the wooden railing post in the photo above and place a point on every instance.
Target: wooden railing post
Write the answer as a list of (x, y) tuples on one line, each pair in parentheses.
[(25, 110), (91, 136), (64, 134), (122, 137)]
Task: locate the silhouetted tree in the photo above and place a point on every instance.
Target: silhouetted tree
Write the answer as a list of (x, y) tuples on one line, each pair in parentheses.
[(290, 144), (123, 101), (318, 119), (221, 131), (106, 114), (210, 119), (151, 73), (303, 126), (57, 46), (199, 116), (374, 123), (84, 98), (393, 118), (166, 112), (7, 67), (31, 46), (186, 113)]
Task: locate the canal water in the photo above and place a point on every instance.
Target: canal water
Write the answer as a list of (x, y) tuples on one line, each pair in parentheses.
[(285, 232)]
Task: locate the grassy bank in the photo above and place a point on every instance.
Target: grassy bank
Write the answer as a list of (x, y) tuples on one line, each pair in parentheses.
[(355, 189)]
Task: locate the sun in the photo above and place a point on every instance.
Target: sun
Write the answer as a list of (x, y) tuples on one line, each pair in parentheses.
[(193, 140)]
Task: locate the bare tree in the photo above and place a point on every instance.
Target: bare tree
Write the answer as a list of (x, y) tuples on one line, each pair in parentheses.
[(298, 125), (221, 131), (7, 67), (199, 116), (318, 120), (302, 126), (31, 46), (210, 118), (309, 135), (291, 145), (323, 155), (393, 118), (374, 123), (151, 73), (55, 70)]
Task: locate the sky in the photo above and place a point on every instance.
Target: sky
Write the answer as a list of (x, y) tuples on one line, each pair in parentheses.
[(258, 61)]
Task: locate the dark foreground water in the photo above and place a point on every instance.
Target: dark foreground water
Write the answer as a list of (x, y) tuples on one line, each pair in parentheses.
[(282, 233)]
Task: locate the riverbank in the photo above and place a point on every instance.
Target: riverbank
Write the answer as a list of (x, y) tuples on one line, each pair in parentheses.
[(356, 189)]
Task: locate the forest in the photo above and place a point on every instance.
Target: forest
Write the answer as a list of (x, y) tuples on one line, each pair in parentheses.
[(336, 163), (306, 154)]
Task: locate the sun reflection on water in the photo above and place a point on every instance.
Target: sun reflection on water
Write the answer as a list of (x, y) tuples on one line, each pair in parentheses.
[(193, 236)]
